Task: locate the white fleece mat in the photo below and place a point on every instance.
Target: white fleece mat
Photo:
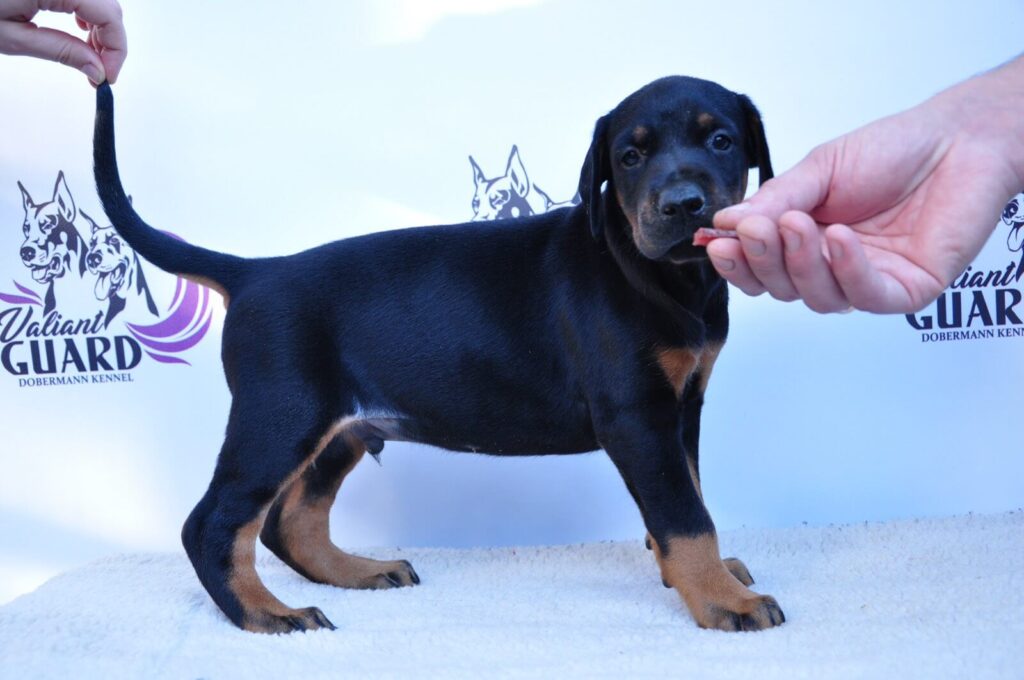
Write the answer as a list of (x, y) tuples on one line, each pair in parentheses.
[(937, 598)]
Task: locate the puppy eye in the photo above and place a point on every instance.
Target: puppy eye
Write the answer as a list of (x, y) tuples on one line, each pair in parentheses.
[(721, 142), (630, 159), (500, 198)]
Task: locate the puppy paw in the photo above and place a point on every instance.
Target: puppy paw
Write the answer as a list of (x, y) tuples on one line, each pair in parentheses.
[(757, 613), (289, 621), (398, 575)]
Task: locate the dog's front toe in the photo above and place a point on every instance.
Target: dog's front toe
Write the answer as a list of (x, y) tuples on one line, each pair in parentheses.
[(291, 621), (739, 570), (759, 613)]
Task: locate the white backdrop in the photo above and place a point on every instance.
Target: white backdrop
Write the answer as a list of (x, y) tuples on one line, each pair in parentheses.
[(261, 130)]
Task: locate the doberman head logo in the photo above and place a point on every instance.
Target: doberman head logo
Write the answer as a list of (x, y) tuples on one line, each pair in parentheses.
[(118, 271), (1013, 217), (91, 275), (511, 194), (55, 251), (52, 247)]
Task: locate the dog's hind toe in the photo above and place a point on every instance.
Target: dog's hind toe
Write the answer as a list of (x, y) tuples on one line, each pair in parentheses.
[(401, 576)]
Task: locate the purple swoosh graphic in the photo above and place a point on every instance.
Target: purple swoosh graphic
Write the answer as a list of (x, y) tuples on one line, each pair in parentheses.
[(179, 320), (30, 297), (177, 345), (163, 359), (178, 289), (187, 323), (27, 291), (196, 321), (17, 299)]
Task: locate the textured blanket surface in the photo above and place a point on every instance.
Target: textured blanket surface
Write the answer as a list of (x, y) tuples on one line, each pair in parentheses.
[(936, 598)]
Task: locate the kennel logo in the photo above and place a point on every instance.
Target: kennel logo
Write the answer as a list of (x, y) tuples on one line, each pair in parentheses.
[(79, 309), (511, 194), (983, 302)]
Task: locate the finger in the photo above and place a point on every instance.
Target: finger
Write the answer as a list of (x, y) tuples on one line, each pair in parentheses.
[(803, 187), (762, 247), (865, 285), (25, 38), (106, 24), (727, 257), (808, 269)]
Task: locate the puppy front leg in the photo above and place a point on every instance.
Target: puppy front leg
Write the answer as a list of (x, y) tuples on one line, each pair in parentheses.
[(652, 462)]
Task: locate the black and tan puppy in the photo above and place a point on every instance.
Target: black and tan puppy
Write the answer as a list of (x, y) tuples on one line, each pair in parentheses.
[(589, 327)]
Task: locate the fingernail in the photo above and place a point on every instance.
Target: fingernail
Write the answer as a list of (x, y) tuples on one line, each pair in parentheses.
[(738, 208), (724, 264), (756, 248), (835, 250), (791, 240), (93, 74)]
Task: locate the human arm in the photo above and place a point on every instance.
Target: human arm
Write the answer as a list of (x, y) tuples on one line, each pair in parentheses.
[(883, 218)]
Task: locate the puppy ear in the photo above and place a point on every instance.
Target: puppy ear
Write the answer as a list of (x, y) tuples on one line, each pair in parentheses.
[(596, 171), (478, 174), (93, 227), (26, 200), (516, 172), (62, 197), (757, 144)]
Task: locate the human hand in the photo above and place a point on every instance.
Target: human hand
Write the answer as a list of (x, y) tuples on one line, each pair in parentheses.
[(882, 219), (99, 58)]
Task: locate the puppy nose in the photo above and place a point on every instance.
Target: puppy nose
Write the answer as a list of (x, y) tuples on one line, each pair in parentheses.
[(93, 259), (28, 253), (685, 199)]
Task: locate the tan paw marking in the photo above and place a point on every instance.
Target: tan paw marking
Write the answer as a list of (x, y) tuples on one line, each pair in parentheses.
[(715, 597)]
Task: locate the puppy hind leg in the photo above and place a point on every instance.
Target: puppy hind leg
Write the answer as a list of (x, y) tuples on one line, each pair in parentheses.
[(263, 451), (297, 528)]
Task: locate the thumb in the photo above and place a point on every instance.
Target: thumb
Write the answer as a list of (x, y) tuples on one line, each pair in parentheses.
[(27, 39), (803, 187)]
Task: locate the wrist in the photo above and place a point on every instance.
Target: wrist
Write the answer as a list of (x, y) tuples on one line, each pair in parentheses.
[(987, 110)]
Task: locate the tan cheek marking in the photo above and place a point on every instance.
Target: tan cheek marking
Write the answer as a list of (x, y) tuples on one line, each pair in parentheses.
[(707, 364), (695, 477), (677, 364), (634, 225)]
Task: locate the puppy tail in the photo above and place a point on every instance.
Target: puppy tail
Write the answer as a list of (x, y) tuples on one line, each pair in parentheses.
[(165, 251)]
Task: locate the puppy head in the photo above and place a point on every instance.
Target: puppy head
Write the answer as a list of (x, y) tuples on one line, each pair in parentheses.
[(108, 259), (1013, 216), (49, 232), (672, 154), (501, 197)]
